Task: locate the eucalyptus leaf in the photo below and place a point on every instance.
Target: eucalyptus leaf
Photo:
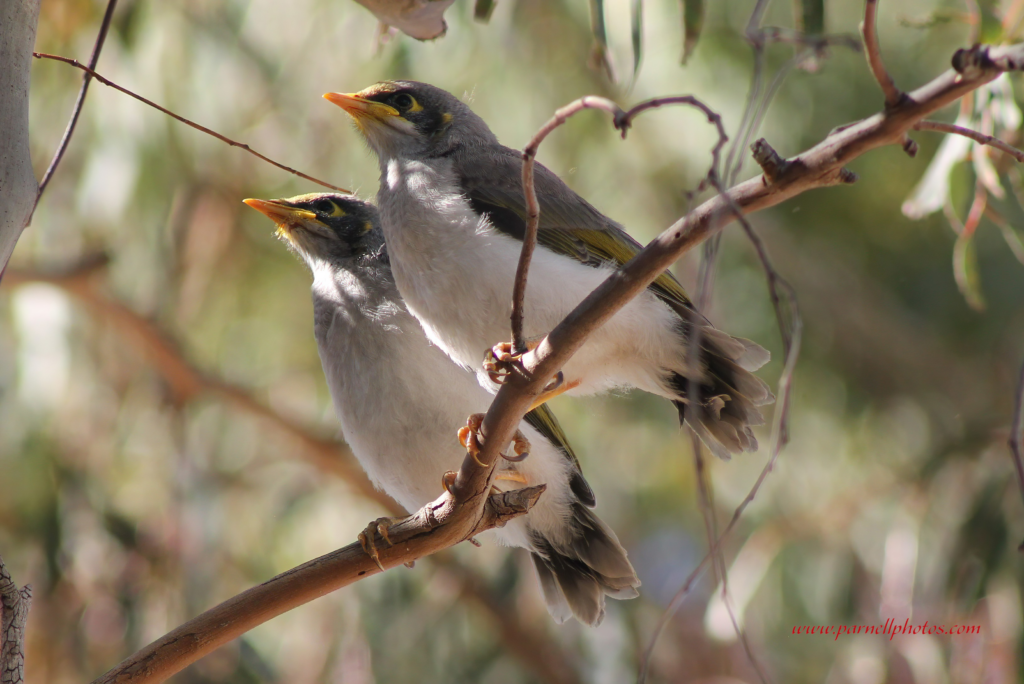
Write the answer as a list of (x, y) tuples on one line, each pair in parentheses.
[(637, 32), (693, 24), (483, 9), (810, 16), (965, 270)]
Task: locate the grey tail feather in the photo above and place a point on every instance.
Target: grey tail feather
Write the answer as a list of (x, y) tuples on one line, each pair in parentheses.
[(729, 393), (577, 574)]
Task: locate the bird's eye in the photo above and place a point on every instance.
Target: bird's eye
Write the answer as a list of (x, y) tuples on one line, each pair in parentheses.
[(324, 206), (403, 100)]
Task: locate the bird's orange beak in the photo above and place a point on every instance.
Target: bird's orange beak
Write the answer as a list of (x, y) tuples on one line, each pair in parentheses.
[(279, 212), (360, 108)]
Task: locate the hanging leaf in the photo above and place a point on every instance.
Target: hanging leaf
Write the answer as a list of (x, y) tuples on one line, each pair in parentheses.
[(965, 270), (693, 23), (483, 9), (637, 24), (932, 191), (810, 16), (600, 60)]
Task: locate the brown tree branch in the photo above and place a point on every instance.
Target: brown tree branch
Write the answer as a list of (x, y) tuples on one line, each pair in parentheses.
[(538, 655), (94, 58), (14, 607), (436, 526), (869, 32), (90, 72), (973, 135)]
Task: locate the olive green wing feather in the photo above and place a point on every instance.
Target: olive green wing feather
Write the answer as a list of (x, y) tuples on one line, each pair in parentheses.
[(543, 421), (569, 225)]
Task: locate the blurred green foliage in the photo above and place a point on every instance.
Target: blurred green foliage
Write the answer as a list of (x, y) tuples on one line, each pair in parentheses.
[(131, 512)]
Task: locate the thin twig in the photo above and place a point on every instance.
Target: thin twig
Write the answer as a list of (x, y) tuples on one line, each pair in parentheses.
[(14, 607), (94, 58), (869, 32), (779, 438), (533, 206), (1016, 440), (188, 383), (973, 135), (215, 134), (622, 120)]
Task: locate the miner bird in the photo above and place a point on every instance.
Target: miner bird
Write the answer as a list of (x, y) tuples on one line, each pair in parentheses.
[(454, 216), (400, 402)]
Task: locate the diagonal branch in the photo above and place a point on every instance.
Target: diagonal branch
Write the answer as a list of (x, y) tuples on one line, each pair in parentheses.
[(89, 72), (538, 655), (973, 135), (869, 32), (437, 525), (101, 37), (14, 607)]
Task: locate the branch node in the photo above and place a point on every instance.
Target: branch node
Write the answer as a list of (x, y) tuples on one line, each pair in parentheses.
[(970, 62), (848, 177), (909, 146), (770, 161)]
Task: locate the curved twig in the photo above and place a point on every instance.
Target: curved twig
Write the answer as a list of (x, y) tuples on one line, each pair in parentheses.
[(198, 127), (622, 120), (973, 135), (94, 58), (869, 31), (533, 206)]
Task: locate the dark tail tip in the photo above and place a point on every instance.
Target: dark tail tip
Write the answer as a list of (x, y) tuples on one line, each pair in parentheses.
[(729, 394), (577, 574)]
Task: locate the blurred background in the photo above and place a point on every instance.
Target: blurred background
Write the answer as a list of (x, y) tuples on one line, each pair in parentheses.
[(166, 432)]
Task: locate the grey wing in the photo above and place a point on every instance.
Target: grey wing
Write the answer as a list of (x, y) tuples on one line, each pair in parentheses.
[(569, 225)]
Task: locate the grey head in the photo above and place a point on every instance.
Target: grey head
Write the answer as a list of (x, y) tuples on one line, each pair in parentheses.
[(326, 228), (413, 120)]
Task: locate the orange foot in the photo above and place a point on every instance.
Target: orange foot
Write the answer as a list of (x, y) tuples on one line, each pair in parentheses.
[(366, 537)]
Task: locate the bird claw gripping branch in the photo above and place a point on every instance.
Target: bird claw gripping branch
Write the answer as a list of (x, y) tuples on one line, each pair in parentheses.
[(379, 526), (469, 437)]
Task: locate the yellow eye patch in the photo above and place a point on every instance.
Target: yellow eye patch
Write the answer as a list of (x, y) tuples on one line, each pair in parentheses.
[(416, 106), (336, 211)]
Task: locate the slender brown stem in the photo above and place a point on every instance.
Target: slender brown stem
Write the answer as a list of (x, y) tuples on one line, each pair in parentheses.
[(973, 135), (204, 129), (94, 58), (1016, 440), (533, 206), (622, 121), (869, 32)]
